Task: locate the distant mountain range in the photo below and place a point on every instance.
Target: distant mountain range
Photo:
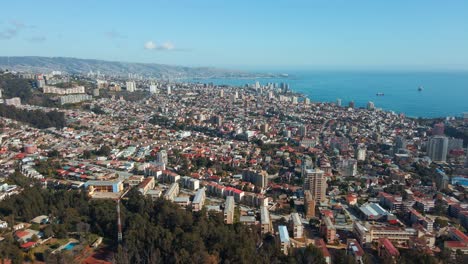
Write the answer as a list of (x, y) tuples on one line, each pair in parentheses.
[(83, 66)]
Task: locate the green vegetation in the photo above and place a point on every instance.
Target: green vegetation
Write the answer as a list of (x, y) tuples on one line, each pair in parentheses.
[(36, 118), (15, 87), (153, 231)]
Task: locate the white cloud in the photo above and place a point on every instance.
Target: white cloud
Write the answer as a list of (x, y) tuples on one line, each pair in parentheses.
[(167, 46), (150, 45)]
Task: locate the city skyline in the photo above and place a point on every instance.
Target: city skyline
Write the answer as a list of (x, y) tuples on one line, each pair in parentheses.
[(421, 35)]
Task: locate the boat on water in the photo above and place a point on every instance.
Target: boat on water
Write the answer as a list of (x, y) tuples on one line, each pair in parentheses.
[(380, 94), (420, 88)]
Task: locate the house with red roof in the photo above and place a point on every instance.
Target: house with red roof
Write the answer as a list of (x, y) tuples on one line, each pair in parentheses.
[(387, 250)]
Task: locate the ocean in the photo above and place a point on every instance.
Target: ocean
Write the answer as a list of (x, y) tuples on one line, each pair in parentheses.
[(444, 93)]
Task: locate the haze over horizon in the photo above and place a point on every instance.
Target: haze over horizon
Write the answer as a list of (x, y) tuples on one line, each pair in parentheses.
[(357, 35)]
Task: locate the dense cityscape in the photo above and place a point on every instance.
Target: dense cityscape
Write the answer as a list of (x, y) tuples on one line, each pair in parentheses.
[(107, 169)]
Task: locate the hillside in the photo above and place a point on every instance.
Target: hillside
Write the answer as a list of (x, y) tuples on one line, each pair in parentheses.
[(74, 65)]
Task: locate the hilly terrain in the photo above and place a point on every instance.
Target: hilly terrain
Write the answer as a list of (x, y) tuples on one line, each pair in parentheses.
[(75, 65)]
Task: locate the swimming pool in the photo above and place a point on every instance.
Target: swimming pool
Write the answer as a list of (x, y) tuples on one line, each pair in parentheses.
[(70, 246)]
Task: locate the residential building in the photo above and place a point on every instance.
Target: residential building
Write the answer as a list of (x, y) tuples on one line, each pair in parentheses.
[(259, 178), (131, 86), (354, 249), (387, 251), (315, 182), (172, 192), (229, 210), (437, 148), (265, 220), (296, 225), (199, 200), (328, 229), (285, 242), (309, 204)]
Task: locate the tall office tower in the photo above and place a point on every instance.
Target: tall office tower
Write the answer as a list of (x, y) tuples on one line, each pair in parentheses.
[(437, 147), (221, 93), (131, 87), (153, 88), (302, 131), (438, 129), (370, 105), (294, 100), (169, 89), (351, 104), (236, 95), (338, 102), (315, 182), (162, 157), (306, 101)]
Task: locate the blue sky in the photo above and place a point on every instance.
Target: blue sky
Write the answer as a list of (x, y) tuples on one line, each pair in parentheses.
[(320, 34)]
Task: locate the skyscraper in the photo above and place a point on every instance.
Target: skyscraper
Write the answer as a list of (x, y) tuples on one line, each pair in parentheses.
[(153, 88), (131, 87), (315, 182), (437, 147), (338, 102)]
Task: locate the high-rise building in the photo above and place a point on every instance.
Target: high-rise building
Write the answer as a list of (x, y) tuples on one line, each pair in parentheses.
[(370, 105), (131, 87), (221, 93), (162, 157), (169, 89), (153, 88), (438, 129), (306, 101), (302, 131), (257, 85), (437, 148), (259, 178), (315, 182), (338, 102)]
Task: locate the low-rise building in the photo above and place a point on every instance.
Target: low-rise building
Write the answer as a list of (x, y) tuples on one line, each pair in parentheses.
[(328, 230), (296, 225), (229, 210), (285, 242), (265, 220), (172, 192), (199, 200), (387, 251)]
